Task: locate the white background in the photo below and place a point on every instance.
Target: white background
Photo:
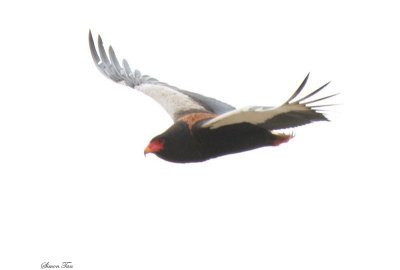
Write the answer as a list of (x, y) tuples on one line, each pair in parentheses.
[(76, 187)]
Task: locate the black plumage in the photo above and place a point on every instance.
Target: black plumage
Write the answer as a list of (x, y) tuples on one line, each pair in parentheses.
[(204, 127)]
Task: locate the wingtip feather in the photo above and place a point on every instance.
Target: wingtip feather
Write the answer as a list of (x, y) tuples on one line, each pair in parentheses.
[(298, 89), (313, 93), (114, 59)]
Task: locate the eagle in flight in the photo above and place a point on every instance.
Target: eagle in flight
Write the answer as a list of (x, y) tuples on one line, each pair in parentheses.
[(204, 127)]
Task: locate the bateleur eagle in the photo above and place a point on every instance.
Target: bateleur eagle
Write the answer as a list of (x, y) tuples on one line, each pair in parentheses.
[(204, 127)]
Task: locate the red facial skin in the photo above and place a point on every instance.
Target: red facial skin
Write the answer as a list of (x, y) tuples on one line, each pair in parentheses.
[(154, 147)]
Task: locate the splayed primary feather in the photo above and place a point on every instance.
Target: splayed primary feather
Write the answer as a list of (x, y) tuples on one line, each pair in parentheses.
[(290, 114), (175, 101)]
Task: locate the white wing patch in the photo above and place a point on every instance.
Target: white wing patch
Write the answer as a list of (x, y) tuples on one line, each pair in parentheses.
[(252, 115), (290, 114), (171, 100)]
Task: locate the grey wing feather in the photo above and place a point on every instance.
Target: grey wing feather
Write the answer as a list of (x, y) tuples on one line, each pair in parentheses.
[(177, 102), (211, 104)]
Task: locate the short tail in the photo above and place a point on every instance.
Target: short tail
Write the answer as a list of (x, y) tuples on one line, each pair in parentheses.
[(281, 138)]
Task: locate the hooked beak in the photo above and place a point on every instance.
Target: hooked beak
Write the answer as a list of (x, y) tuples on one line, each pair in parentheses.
[(147, 150), (153, 147)]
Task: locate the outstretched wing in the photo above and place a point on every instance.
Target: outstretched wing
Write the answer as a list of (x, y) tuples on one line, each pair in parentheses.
[(175, 101), (290, 114)]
